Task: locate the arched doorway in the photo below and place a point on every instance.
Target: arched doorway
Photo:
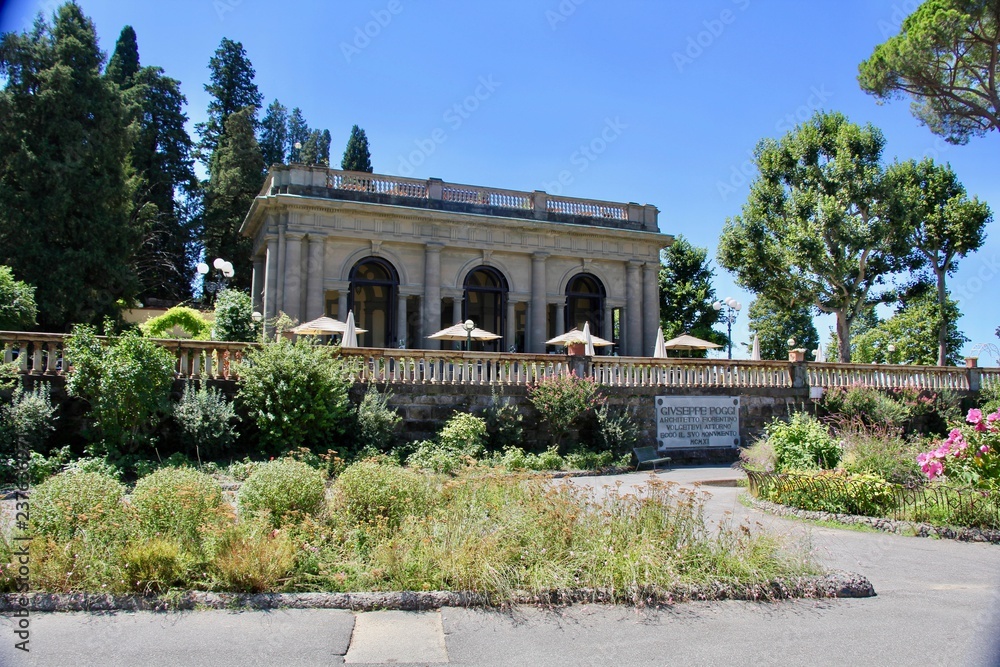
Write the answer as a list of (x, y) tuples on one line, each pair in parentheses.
[(374, 286), (486, 305), (585, 303)]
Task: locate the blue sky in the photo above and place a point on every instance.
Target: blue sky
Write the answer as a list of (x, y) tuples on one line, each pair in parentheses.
[(655, 102)]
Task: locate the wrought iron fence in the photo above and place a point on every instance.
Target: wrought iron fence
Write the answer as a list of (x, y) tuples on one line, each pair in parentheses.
[(866, 495)]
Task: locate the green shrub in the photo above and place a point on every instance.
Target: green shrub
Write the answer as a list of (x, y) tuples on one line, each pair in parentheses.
[(582, 459), (802, 443), (759, 456), (504, 426), (834, 491), (27, 420), (433, 456), (127, 384), (879, 450), (297, 394), (152, 566), (867, 404), (234, 317), (283, 487), (72, 502), (617, 430), (515, 458), (188, 319), (250, 557), (376, 422), (561, 401), (175, 503), (373, 492), (465, 433), (91, 464), (40, 467), (206, 419)]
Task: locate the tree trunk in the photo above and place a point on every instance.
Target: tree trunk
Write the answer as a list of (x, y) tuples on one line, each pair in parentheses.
[(844, 336), (942, 319)]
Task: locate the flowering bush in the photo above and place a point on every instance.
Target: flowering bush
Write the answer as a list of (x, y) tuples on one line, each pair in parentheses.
[(970, 454), (562, 400)]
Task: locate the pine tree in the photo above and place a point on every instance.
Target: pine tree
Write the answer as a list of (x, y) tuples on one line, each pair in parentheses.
[(124, 63), (298, 133), (235, 175), (324, 148), (64, 184), (232, 89), (274, 134), (687, 293), (357, 157), (316, 149)]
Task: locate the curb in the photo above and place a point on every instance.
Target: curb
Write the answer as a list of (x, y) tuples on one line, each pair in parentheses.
[(906, 528), (832, 585)]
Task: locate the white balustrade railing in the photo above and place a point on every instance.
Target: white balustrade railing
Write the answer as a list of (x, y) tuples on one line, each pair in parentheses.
[(377, 184), (887, 377), (470, 194), (43, 354), (676, 372), (587, 207)]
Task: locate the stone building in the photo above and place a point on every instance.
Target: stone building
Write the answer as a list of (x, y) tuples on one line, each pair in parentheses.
[(410, 257)]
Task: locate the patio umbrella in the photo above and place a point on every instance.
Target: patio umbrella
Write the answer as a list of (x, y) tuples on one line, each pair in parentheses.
[(755, 350), (818, 352), (576, 335), (322, 326), (350, 338), (458, 332), (659, 352), (588, 340), (689, 342)]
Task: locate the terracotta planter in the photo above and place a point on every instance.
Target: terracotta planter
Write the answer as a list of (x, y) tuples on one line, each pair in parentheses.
[(576, 349)]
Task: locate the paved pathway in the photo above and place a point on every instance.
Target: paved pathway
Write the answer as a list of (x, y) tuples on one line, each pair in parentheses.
[(938, 603)]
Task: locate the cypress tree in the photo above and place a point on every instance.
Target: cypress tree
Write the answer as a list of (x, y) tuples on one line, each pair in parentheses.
[(357, 157), (64, 186), (274, 134), (298, 133), (232, 89), (124, 63)]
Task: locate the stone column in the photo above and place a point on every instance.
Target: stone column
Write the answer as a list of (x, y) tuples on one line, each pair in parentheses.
[(509, 332), (401, 320), (315, 301), (650, 307), (561, 318), (536, 339), (270, 282), (432, 294), (456, 311), (608, 330), (257, 284), (342, 304), (633, 309), (293, 276), (280, 304)]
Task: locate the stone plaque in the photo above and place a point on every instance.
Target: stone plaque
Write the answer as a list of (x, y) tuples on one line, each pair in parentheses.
[(684, 422)]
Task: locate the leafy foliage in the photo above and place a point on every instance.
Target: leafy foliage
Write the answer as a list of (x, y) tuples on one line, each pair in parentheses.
[(27, 419), (297, 394), (802, 443), (376, 423), (188, 319), (282, 487), (73, 502), (274, 134), (944, 58), (127, 384), (913, 330), (504, 423), (232, 89), (17, 302), (174, 503), (617, 430), (357, 156), (374, 492), (234, 317), (563, 400), (775, 324), (206, 419), (818, 228), (686, 294)]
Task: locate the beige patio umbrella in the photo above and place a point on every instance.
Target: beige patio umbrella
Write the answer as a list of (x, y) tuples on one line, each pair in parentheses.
[(577, 335), (659, 352), (323, 326), (350, 338), (588, 341), (458, 332), (689, 342), (755, 348)]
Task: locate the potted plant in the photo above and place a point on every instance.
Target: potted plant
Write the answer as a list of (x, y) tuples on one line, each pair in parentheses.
[(576, 347)]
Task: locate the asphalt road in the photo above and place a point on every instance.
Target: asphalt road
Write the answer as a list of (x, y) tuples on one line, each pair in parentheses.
[(938, 603)]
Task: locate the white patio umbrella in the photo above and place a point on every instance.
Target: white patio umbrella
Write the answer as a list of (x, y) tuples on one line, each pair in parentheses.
[(659, 352), (351, 333), (576, 335), (755, 350), (459, 333), (588, 340), (818, 352), (322, 326)]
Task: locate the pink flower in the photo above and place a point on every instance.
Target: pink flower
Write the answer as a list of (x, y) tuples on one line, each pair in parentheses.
[(981, 426), (941, 452), (954, 435), (993, 416), (933, 469), (975, 416), (985, 449)]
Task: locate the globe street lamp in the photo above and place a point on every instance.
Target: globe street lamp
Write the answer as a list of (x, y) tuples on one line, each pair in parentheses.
[(468, 325), (892, 353), (223, 273), (732, 311)]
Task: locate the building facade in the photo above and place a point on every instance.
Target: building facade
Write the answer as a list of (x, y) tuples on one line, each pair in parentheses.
[(410, 257)]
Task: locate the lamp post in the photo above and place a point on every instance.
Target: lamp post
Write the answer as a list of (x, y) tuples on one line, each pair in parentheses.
[(892, 353), (223, 273), (732, 311), (468, 325)]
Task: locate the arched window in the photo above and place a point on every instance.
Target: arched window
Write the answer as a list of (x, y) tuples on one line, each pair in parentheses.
[(374, 287), (486, 305), (585, 303)]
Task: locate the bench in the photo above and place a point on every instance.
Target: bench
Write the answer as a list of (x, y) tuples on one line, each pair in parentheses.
[(648, 455)]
